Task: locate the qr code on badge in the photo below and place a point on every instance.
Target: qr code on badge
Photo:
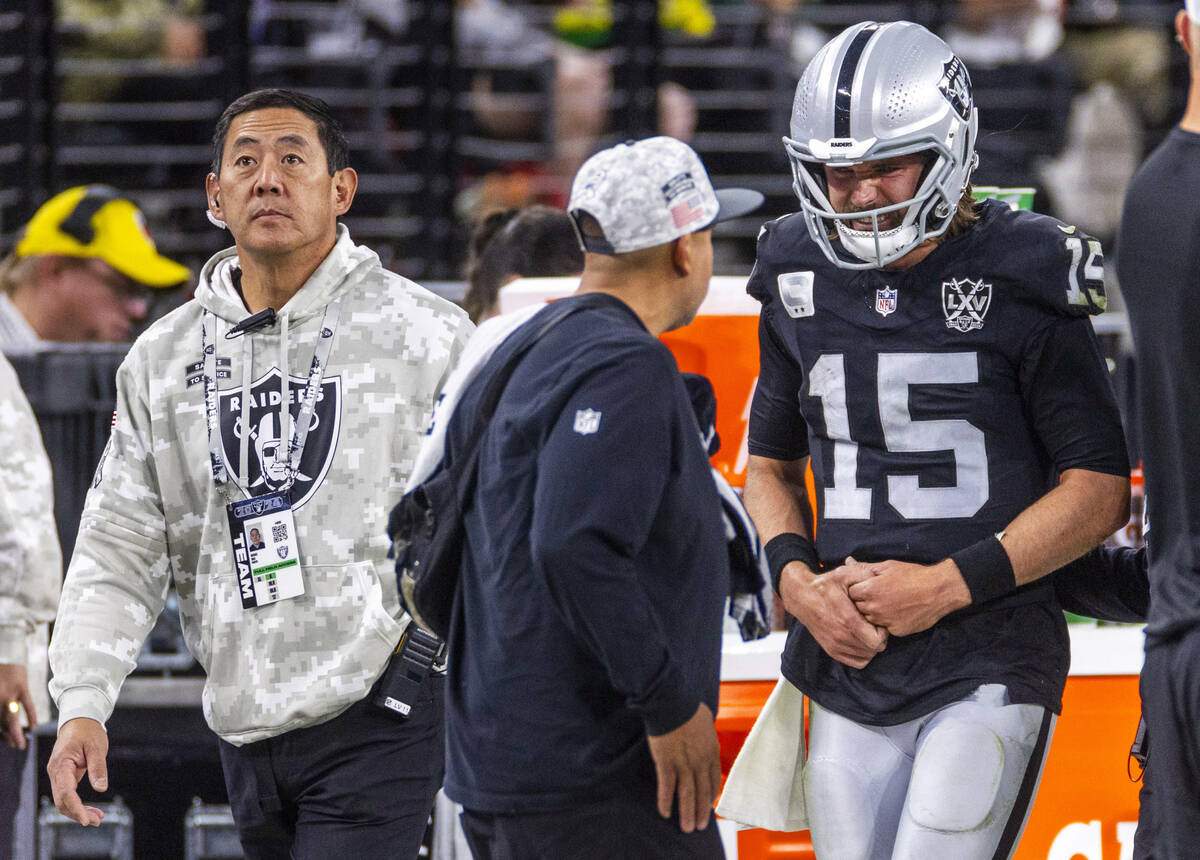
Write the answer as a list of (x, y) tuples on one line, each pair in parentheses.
[(279, 532)]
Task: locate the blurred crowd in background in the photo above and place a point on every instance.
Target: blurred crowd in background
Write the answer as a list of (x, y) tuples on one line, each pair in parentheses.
[(458, 110)]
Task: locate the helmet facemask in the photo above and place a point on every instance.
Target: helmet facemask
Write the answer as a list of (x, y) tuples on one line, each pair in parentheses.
[(944, 127)]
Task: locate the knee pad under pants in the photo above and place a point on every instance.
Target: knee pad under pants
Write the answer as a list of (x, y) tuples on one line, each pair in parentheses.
[(949, 784)]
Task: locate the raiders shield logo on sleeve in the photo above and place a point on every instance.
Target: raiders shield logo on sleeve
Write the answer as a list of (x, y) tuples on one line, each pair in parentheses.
[(266, 460)]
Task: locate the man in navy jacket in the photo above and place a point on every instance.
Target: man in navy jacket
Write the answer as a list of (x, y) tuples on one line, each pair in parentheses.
[(585, 640)]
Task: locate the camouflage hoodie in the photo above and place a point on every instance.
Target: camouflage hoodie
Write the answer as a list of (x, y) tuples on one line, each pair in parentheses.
[(154, 513), (30, 560)]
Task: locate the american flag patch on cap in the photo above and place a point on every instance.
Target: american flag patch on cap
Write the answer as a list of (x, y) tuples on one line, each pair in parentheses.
[(687, 211)]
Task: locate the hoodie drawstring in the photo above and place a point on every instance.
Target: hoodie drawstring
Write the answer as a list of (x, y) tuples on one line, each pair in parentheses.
[(295, 432), (244, 420), (286, 428), (312, 390)]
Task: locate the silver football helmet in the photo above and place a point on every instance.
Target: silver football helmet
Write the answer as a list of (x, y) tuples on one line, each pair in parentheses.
[(879, 91)]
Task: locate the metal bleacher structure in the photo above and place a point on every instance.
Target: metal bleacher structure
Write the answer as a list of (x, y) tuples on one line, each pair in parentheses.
[(402, 94), (402, 89)]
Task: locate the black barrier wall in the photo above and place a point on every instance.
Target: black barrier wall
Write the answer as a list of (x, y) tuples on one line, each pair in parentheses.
[(72, 389)]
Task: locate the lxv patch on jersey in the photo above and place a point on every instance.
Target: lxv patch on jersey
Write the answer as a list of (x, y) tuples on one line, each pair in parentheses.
[(266, 459), (965, 303)]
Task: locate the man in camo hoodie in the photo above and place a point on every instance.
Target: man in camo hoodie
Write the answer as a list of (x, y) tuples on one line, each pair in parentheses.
[(30, 573), (290, 397)]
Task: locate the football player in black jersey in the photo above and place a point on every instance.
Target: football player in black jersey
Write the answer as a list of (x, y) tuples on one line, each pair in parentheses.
[(932, 358)]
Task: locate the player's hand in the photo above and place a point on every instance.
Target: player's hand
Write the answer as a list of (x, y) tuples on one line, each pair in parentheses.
[(14, 687), (82, 747), (822, 604), (907, 598), (688, 762)]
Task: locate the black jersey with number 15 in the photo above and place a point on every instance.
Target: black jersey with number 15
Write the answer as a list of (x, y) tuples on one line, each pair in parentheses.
[(937, 403)]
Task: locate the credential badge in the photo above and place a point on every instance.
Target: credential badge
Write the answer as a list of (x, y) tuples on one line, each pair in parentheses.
[(587, 421), (966, 303), (885, 301), (796, 293)]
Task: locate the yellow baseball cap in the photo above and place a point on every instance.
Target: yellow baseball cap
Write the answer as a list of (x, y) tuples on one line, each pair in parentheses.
[(96, 221)]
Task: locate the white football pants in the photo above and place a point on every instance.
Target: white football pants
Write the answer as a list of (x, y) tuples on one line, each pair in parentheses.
[(956, 784)]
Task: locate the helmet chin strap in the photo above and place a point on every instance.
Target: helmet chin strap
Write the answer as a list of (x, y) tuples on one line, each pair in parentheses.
[(861, 243)]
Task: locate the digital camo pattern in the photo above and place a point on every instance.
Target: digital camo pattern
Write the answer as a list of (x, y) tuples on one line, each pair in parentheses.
[(30, 559), (645, 193), (155, 514)]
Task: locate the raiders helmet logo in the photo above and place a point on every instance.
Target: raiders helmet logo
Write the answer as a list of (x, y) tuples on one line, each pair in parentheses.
[(266, 460), (956, 87)]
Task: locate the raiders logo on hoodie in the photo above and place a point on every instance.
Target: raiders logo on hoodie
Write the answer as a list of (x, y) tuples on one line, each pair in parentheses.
[(267, 451)]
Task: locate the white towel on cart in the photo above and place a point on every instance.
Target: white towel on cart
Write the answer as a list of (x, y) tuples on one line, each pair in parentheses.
[(764, 788)]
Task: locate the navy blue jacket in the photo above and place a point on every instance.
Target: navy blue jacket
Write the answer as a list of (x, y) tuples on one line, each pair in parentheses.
[(589, 611), (1157, 249)]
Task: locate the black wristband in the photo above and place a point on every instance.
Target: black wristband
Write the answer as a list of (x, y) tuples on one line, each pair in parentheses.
[(783, 549), (986, 568)]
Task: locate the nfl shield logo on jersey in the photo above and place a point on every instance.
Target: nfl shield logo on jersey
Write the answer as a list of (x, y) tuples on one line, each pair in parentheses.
[(966, 303), (885, 301)]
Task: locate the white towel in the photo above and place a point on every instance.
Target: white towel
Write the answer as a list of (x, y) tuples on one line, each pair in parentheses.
[(764, 787)]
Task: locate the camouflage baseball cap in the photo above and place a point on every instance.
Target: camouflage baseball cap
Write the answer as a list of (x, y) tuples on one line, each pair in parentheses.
[(98, 221), (649, 192)]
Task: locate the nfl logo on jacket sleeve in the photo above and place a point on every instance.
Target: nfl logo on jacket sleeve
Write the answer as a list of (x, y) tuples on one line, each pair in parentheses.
[(587, 421)]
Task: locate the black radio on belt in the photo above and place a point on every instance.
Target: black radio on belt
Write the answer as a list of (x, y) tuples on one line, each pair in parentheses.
[(409, 666)]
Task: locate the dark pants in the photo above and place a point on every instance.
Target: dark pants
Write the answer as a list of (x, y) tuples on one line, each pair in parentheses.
[(12, 762), (361, 785), (1169, 822), (627, 827), (1143, 839)]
